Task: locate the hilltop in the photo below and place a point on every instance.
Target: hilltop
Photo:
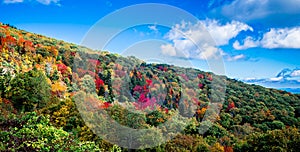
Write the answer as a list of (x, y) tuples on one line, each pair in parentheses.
[(51, 93)]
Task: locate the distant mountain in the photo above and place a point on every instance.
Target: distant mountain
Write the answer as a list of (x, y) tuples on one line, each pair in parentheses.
[(58, 96), (287, 79)]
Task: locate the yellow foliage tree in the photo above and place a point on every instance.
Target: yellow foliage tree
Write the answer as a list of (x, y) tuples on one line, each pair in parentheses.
[(59, 88), (217, 147)]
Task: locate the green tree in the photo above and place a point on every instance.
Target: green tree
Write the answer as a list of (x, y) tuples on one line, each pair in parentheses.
[(275, 140), (29, 90), (87, 84), (31, 132)]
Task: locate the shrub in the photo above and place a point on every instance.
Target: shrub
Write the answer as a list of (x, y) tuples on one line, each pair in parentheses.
[(34, 133), (29, 90)]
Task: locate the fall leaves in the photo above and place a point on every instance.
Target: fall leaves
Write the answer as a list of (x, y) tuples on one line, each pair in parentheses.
[(58, 88), (157, 87), (33, 66)]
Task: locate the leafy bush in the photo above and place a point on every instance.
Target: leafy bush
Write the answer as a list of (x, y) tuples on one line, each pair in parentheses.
[(29, 90), (287, 139), (34, 133)]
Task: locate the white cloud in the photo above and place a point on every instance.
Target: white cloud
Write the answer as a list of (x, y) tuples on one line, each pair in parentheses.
[(257, 9), (249, 42), (250, 79), (236, 57), (275, 38), (295, 73), (153, 28), (223, 33), (282, 38), (12, 1), (209, 52), (168, 49), (202, 39), (45, 2), (276, 79)]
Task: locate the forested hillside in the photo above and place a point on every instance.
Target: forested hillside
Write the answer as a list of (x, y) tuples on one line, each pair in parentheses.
[(46, 85)]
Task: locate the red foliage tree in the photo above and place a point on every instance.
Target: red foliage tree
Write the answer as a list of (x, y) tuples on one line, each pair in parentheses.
[(138, 88), (99, 83), (62, 68), (200, 76), (230, 106), (106, 105), (183, 76), (166, 110), (94, 62), (228, 149), (210, 78), (149, 82), (201, 86)]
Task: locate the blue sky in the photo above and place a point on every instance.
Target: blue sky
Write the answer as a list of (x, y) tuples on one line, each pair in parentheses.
[(258, 40)]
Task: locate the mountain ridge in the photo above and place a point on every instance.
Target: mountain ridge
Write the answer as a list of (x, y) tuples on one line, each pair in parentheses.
[(50, 79)]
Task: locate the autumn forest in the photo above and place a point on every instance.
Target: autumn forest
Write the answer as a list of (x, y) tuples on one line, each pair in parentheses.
[(58, 96)]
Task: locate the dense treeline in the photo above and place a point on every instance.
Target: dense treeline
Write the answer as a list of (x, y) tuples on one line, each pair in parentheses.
[(51, 90)]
